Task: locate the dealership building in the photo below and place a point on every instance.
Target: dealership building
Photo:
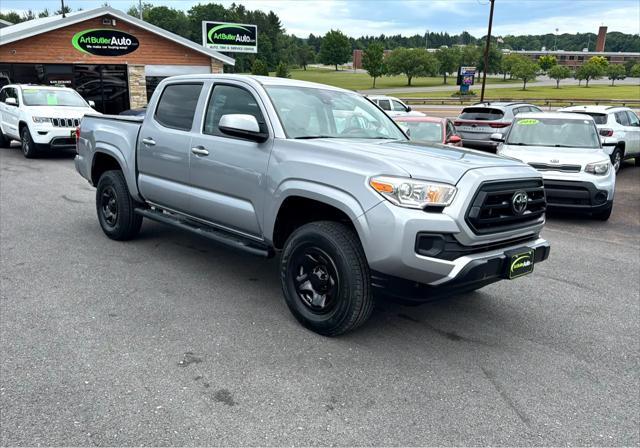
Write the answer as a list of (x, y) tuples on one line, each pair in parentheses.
[(108, 56)]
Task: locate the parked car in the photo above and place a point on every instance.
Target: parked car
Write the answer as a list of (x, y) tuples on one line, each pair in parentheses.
[(430, 129), (567, 150), (137, 112), (621, 123), (41, 117), (394, 107), (321, 177), (476, 123)]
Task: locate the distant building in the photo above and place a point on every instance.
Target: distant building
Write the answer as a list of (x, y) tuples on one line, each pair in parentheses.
[(357, 58), (574, 59)]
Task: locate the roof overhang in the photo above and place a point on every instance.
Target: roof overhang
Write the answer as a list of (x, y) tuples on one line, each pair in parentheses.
[(35, 27)]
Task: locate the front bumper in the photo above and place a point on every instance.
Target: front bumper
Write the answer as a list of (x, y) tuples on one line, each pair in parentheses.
[(579, 195), (56, 137), (469, 274)]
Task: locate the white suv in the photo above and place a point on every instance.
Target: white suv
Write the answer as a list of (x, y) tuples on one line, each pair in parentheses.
[(620, 123), (40, 117), (394, 107)]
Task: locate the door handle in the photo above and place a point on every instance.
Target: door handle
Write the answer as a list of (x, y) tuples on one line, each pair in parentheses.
[(199, 151), (149, 141)]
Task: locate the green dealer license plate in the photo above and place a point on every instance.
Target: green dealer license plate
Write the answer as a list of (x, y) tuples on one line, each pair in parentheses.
[(520, 262)]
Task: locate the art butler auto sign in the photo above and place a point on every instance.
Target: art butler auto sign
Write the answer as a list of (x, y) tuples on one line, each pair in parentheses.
[(233, 37), (105, 42)]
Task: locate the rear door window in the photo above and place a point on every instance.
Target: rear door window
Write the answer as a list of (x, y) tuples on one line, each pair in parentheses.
[(177, 106), (622, 118), (384, 104), (481, 113)]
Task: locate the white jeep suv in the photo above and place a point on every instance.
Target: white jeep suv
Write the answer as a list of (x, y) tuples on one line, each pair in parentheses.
[(620, 123), (40, 117)]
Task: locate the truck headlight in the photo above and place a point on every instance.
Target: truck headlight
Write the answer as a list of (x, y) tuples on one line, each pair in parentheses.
[(598, 168), (41, 119), (412, 193)]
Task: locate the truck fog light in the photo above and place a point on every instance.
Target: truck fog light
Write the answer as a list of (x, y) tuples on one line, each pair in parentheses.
[(429, 245)]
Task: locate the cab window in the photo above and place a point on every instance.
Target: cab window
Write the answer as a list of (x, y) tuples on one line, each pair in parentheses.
[(384, 104), (177, 106), (227, 99), (397, 105)]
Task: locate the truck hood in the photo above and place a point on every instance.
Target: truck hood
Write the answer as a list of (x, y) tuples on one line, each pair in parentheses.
[(427, 161), (554, 156)]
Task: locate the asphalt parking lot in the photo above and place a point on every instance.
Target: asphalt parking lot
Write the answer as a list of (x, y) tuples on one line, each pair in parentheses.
[(174, 340)]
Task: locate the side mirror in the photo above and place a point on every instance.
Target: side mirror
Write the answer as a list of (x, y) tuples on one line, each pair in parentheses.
[(454, 139), (242, 126), (92, 103), (11, 101), (408, 109), (497, 137), (609, 141)]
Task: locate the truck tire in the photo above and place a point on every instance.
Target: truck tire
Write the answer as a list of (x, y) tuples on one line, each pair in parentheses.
[(115, 207), (29, 149), (604, 214), (616, 159), (325, 278), (4, 141)]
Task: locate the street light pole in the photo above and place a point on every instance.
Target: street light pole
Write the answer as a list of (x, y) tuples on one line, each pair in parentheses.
[(486, 52)]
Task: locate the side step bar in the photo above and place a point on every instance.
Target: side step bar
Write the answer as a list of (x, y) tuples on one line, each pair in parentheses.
[(212, 233)]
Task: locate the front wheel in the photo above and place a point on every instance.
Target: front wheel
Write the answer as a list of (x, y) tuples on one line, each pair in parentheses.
[(325, 278), (115, 207), (29, 149)]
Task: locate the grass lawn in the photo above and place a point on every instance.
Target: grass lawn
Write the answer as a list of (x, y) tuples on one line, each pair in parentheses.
[(598, 91), (347, 79)]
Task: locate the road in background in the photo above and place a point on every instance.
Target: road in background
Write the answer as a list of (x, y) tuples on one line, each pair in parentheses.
[(173, 340)]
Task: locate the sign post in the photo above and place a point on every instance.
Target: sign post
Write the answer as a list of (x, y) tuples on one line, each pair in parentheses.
[(230, 37)]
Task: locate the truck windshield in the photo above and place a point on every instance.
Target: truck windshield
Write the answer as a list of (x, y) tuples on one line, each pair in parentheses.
[(321, 113), (52, 97), (554, 132)]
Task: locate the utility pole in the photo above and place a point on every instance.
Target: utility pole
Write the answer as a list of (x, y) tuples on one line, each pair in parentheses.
[(426, 40), (555, 41), (63, 14), (486, 52), (140, 8)]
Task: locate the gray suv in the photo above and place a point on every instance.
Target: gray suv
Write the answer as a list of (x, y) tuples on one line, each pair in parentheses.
[(321, 178), (476, 123)]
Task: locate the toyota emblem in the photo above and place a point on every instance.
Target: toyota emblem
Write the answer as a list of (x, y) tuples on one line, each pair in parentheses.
[(519, 202)]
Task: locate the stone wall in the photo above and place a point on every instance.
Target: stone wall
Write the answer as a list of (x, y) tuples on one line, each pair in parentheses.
[(216, 66), (137, 86)]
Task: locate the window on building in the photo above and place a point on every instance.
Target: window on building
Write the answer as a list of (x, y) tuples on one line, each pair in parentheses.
[(177, 106)]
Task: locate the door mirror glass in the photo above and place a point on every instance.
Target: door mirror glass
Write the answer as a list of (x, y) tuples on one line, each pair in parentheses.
[(455, 139), (11, 101), (408, 109), (92, 103), (497, 137), (242, 126)]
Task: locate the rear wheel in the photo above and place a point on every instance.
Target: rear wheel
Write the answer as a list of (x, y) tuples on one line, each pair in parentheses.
[(616, 159), (115, 207), (5, 142), (325, 278), (29, 149)]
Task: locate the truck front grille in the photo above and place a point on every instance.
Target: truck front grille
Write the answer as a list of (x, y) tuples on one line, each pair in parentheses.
[(499, 206), (65, 122)]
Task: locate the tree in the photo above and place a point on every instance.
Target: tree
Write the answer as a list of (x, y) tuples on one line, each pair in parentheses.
[(12, 17), (65, 10), (412, 63), (335, 48), (546, 62), (373, 61), (282, 71), (259, 68), (579, 75), (559, 72), (170, 19), (449, 60), (43, 13), (306, 55), (616, 71), (594, 68), (135, 12), (508, 62), (635, 71), (526, 70), (495, 60)]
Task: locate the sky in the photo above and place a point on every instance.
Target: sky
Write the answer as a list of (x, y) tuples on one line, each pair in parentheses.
[(373, 17)]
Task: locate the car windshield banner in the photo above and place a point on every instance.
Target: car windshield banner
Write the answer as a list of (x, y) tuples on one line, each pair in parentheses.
[(105, 42), (231, 37)]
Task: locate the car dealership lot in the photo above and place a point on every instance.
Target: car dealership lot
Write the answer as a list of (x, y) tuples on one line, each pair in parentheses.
[(171, 340)]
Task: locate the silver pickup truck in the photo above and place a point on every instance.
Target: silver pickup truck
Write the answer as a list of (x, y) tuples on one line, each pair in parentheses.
[(323, 178)]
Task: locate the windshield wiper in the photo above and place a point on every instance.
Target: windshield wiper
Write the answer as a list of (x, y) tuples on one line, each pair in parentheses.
[(518, 144), (308, 137)]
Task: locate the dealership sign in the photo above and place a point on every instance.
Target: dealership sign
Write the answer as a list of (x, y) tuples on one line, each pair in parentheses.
[(105, 42), (233, 37)]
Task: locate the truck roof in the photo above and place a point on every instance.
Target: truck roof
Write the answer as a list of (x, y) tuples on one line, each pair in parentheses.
[(262, 80)]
